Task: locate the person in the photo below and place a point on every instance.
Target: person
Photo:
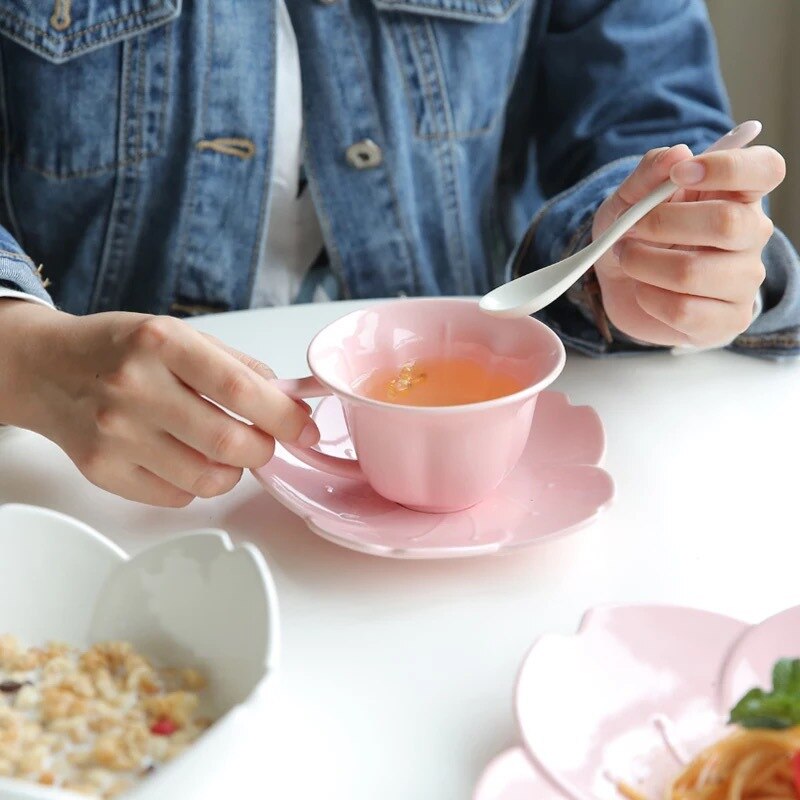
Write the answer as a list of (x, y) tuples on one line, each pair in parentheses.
[(161, 161)]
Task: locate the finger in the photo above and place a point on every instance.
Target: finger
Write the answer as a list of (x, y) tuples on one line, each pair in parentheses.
[(716, 274), (179, 465), (133, 483), (212, 372), (251, 363), (705, 223), (704, 321), (754, 170), (208, 429), (651, 171)]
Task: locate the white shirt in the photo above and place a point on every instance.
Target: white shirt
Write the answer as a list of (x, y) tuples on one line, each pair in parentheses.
[(292, 239)]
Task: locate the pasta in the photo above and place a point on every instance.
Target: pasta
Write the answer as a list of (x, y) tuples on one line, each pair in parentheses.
[(747, 765), (760, 760)]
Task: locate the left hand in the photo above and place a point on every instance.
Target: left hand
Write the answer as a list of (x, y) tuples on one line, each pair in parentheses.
[(688, 273)]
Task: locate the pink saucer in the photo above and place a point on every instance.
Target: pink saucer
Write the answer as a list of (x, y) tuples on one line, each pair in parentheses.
[(556, 487), (643, 689)]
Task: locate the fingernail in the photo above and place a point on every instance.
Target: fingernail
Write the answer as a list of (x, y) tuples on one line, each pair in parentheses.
[(688, 172), (309, 436), (616, 250)]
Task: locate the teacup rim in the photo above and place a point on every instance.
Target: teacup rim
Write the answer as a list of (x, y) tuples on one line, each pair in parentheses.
[(508, 399)]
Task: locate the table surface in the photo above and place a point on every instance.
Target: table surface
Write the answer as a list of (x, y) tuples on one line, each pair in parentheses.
[(396, 677)]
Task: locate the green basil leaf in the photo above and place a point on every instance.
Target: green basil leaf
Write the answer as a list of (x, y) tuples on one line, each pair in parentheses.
[(776, 709)]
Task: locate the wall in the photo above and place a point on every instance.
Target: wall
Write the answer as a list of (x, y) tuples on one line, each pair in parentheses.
[(762, 72)]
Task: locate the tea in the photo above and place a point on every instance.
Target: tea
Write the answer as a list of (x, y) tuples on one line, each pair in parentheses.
[(438, 382)]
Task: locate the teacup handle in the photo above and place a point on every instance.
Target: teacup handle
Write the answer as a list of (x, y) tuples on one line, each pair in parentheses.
[(299, 389)]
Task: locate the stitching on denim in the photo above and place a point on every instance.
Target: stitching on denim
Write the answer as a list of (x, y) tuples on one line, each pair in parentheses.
[(450, 133), (366, 93), (6, 151), (108, 238), (18, 257), (85, 173), (779, 338), (391, 35), (142, 153), (188, 205), (477, 16), (334, 256), (162, 121), (447, 147), (67, 36), (258, 245), (142, 53), (422, 72)]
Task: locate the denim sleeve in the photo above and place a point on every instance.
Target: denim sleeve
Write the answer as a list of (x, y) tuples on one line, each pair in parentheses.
[(617, 79), (17, 271)]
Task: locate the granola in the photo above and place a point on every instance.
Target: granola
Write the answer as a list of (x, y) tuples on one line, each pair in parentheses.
[(94, 722)]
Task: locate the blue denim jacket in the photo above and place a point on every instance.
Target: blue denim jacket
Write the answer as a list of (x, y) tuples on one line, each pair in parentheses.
[(136, 143)]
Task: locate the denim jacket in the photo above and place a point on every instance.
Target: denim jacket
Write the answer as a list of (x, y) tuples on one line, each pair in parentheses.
[(136, 143)]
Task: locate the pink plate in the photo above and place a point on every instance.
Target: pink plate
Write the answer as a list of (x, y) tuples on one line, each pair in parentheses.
[(512, 776), (556, 487), (638, 691)]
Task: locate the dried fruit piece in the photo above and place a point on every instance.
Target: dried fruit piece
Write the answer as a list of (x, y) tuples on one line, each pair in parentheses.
[(163, 726)]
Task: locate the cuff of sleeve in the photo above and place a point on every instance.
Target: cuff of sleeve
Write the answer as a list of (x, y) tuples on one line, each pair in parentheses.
[(18, 273), (14, 294)]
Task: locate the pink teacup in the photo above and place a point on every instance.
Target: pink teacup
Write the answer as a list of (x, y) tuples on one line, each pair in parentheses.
[(432, 458)]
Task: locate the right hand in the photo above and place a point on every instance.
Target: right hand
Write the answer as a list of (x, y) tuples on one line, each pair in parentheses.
[(124, 395)]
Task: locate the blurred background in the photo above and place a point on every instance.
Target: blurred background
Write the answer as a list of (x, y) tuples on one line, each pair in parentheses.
[(761, 65)]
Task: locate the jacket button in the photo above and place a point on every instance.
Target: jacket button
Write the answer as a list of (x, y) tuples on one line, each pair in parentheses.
[(364, 154)]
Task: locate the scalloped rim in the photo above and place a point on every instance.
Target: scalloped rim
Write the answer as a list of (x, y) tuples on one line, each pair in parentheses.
[(288, 501), (586, 621), (14, 788)]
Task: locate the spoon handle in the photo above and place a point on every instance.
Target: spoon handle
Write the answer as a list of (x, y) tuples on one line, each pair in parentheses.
[(740, 136)]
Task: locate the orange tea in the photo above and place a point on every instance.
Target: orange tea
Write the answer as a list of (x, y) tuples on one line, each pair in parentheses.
[(438, 382)]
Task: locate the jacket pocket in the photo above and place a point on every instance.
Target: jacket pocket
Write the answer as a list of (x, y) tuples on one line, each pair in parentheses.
[(85, 84), (457, 58)]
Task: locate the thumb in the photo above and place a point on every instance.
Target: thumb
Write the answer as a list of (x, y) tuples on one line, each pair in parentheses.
[(651, 171)]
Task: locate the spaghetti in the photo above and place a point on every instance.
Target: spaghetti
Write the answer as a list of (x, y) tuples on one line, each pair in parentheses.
[(760, 760)]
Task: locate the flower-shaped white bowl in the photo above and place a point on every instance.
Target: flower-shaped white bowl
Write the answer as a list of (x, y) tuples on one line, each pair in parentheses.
[(193, 600), (638, 691)]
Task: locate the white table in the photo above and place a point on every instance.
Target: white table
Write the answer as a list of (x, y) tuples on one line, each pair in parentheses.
[(397, 676)]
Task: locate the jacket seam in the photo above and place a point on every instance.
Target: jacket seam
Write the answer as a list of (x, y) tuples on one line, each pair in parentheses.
[(407, 240), (105, 253), (5, 143), (188, 205), (477, 17), (452, 184), (68, 36)]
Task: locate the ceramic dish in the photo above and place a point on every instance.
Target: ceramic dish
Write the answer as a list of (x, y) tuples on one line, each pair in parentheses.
[(193, 600), (638, 691), (557, 487)]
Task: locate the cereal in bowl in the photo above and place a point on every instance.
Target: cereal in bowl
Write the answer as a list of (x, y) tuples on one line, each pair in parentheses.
[(93, 722)]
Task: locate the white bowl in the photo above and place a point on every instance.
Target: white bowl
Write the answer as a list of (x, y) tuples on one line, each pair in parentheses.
[(193, 600)]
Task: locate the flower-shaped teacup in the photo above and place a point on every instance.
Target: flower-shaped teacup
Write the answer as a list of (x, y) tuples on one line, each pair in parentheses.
[(429, 458)]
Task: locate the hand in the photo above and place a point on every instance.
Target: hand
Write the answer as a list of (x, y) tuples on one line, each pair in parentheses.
[(689, 272), (124, 396)]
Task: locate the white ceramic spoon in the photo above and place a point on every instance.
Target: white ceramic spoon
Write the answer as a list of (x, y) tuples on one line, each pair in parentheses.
[(534, 291)]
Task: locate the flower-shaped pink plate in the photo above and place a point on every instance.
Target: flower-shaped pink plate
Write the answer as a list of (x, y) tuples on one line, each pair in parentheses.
[(556, 487), (637, 692)]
